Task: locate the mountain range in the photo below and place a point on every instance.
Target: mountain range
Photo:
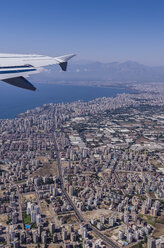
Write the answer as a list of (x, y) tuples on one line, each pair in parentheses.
[(115, 71)]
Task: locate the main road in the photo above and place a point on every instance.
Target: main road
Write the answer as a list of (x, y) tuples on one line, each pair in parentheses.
[(104, 238)]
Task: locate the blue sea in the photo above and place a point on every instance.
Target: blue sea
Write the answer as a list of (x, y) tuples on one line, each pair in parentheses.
[(14, 101)]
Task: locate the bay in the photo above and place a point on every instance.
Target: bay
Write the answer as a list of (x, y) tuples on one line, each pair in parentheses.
[(14, 101)]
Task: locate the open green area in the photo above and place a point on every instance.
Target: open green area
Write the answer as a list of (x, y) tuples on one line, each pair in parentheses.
[(26, 219), (3, 243), (149, 219), (141, 244), (21, 181)]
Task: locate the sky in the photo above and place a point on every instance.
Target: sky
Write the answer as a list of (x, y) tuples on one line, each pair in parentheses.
[(96, 30)]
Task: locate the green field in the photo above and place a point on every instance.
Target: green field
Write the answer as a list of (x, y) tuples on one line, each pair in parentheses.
[(26, 218)]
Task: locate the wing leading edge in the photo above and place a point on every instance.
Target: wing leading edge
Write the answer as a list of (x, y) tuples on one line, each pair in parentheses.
[(13, 68)]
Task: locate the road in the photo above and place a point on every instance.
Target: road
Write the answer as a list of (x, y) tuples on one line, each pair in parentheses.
[(20, 208), (119, 183), (104, 238), (129, 171)]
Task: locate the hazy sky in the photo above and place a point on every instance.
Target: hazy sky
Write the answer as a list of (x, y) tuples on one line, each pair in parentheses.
[(103, 30)]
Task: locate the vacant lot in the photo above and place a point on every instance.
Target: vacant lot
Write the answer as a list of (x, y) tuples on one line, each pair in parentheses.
[(46, 210), (3, 219), (4, 167), (95, 214), (29, 197), (48, 169), (30, 246), (70, 219), (114, 231), (54, 245), (159, 227)]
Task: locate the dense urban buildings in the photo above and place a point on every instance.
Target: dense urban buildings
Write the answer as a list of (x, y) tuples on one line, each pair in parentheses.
[(84, 174)]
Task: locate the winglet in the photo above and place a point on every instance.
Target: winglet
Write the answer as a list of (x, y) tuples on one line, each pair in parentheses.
[(63, 60), (63, 66)]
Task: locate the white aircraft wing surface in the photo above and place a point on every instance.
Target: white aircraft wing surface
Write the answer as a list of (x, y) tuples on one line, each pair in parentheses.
[(15, 67)]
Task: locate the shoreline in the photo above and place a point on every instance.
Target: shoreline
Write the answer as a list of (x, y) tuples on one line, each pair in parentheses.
[(21, 101)]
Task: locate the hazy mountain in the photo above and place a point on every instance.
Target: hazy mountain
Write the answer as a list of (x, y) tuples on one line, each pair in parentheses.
[(85, 70)]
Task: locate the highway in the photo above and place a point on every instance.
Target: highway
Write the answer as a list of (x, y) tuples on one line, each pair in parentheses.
[(104, 238)]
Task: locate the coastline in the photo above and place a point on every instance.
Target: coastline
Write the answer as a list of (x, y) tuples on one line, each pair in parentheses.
[(14, 101)]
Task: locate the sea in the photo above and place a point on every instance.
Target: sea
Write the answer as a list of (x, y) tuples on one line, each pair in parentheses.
[(14, 101)]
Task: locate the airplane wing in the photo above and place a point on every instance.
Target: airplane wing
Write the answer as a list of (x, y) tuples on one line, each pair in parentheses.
[(14, 67), (20, 82)]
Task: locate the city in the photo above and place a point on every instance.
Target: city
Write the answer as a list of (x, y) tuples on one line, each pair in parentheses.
[(84, 174)]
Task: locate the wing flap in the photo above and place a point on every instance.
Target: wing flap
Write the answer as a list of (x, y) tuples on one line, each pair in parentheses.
[(20, 82)]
